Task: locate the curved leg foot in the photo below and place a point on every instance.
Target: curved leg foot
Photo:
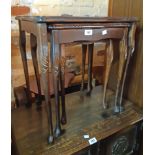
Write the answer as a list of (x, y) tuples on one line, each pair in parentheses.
[(88, 93), (38, 100), (50, 139), (116, 109), (63, 120), (57, 132), (121, 109)]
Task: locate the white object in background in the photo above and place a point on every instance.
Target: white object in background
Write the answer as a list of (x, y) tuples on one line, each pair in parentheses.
[(14, 2)]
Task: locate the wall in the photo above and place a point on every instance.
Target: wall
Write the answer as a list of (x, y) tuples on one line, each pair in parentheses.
[(63, 7), (70, 7)]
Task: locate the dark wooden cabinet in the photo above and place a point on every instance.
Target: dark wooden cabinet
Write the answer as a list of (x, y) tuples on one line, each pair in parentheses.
[(85, 116)]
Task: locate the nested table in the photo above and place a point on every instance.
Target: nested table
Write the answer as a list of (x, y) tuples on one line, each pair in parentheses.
[(68, 30)]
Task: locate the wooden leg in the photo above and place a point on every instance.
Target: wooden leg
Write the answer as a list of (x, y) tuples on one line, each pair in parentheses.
[(122, 85), (84, 50), (130, 52), (90, 65), (122, 59), (62, 84), (33, 43), (57, 131), (55, 55), (22, 44), (109, 59), (44, 65)]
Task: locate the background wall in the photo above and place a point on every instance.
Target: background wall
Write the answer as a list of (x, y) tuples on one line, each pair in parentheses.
[(64, 7)]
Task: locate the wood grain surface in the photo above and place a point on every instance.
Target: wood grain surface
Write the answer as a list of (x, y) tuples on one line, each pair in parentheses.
[(85, 116)]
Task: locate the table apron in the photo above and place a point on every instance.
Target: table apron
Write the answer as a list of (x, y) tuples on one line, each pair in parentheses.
[(77, 35)]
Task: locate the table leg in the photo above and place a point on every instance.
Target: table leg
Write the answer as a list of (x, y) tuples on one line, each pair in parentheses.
[(90, 65), (44, 65), (122, 59), (130, 52), (62, 84), (84, 50), (109, 59), (33, 43), (55, 62), (22, 44)]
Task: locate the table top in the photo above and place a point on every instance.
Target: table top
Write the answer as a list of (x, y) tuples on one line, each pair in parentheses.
[(84, 116), (75, 19)]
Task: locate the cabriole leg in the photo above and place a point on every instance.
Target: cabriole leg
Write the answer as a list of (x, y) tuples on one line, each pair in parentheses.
[(44, 65), (108, 62), (90, 65), (33, 43)]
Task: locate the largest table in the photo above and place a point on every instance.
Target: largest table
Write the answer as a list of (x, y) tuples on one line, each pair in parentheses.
[(66, 30)]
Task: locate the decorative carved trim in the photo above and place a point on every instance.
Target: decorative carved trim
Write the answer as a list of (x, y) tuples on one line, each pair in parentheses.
[(59, 65), (120, 146)]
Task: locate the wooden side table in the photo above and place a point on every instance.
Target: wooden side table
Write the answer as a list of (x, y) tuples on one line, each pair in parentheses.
[(68, 30)]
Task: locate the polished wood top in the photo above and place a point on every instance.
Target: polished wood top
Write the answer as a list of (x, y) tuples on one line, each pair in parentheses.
[(75, 19), (85, 116)]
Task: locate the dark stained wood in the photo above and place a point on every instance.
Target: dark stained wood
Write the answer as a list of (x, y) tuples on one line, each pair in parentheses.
[(62, 85), (33, 43), (84, 50), (134, 81), (55, 62), (88, 25), (73, 35), (108, 62), (131, 49), (84, 117), (44, 66), (122, 143), (22, 44), (70, 19), (122, 58), (90, 65)]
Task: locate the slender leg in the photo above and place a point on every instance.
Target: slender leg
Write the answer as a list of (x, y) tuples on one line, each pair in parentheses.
[(44, 65), (90, 65), (109, 59), (84, 50), (122, 58), (33, 43), (62, 84), (22, 43), (55, 55), (130, 52)]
